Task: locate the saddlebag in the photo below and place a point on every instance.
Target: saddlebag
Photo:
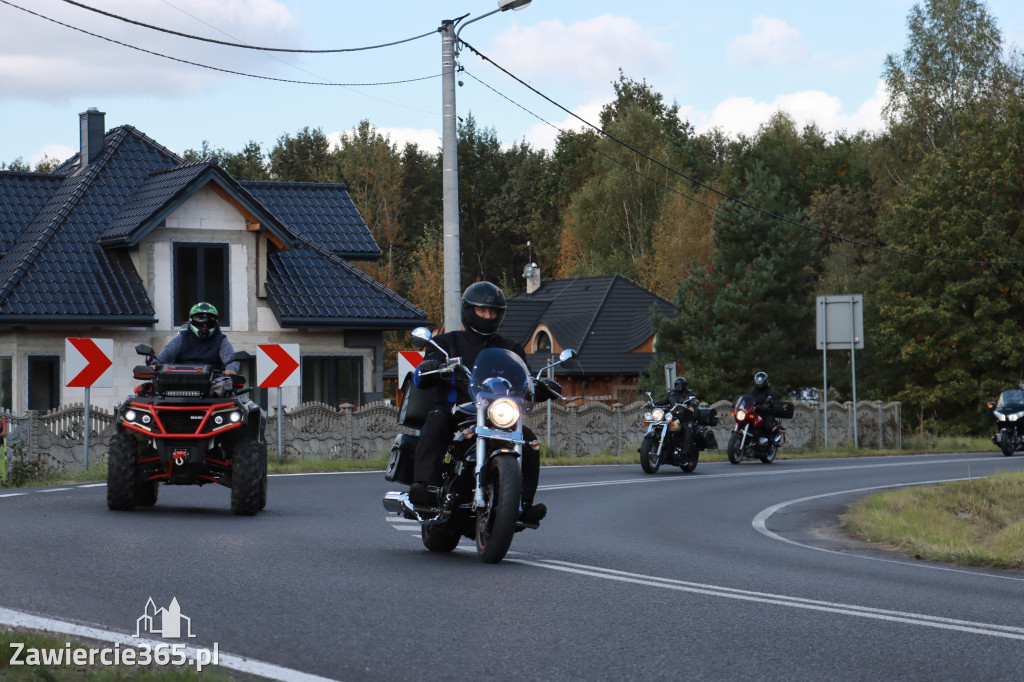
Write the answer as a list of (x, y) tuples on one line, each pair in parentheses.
[(416, 404), (399, 467), (782, 410), (707, 416), (706, 439)]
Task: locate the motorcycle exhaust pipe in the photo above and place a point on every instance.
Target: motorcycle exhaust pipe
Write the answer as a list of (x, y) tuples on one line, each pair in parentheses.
[(397, 502)]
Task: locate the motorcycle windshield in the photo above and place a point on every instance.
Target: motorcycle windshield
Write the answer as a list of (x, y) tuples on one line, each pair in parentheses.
[(745, 403), (499, 372), (1011, 400)]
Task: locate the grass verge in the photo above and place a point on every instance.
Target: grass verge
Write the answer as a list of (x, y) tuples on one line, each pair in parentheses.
[(979, 522)]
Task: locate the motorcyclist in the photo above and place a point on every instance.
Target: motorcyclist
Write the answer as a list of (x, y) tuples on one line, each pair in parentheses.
[(483, 309), (201, 342), (680, 393), (764, 401)]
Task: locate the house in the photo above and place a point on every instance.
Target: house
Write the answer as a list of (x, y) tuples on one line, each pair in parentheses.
[(123, 238), (605, 319)]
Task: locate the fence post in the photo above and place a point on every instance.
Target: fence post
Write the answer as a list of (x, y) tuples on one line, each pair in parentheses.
[(346, 409)]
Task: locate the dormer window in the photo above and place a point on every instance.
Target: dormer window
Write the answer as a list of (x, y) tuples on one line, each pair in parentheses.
[(200, 274), (542, 342)]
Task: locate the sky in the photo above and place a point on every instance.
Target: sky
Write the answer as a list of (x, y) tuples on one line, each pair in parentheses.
[(729, 65)]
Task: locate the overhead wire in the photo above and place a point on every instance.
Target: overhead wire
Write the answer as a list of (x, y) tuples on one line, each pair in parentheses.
[(726, 195), (243, 45), (207, 66)]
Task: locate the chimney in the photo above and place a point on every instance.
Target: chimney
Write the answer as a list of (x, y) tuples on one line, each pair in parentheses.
[(532, 274), (92, 133)]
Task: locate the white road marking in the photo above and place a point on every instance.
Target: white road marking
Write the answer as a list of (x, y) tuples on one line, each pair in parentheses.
[(52, 490), (759, 524), (988, 629), (12, 494), (402, 523), (231, 661)]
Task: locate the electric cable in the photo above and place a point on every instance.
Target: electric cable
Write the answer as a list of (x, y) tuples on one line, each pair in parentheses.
[(243, 45), (726, 195), (206, 66)]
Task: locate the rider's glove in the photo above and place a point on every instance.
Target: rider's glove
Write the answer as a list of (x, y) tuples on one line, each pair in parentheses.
[(429, 365), (549, 388)]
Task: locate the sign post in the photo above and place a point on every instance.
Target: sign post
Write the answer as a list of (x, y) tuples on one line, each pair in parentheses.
[(87, 363), (840, 323), (275, 368)]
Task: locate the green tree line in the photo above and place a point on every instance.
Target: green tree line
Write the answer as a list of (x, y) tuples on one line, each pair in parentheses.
[(742, 233)]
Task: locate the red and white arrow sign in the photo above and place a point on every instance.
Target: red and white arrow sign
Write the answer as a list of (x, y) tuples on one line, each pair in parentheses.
[(408, 360), (88, 363), (276, 365)]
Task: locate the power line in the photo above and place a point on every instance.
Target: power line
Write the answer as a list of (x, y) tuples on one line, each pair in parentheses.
[(726, 195), (206, 66), (242, 45)]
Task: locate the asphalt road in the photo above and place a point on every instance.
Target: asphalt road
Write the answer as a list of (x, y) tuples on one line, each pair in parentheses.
[(734, 572)]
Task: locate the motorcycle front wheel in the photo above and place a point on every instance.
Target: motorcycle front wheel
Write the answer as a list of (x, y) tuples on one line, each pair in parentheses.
[(1006, 441), (650, 458), (734, 451), (496, 520)]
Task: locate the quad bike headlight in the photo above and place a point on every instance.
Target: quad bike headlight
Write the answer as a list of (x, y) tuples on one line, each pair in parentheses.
[(236, 417), (503, 413), (658, 414), (130, 415)]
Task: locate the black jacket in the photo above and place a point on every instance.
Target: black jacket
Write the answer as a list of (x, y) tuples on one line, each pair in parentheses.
[(763, 395), (674, 397), (467, 345)]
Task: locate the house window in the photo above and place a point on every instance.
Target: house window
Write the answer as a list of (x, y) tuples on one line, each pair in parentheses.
[(332, 380), (43, 382), (200, 274), (542, 343), (6, 395)]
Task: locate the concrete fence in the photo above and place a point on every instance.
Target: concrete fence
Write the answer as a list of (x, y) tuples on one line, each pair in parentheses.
[(318, 431)]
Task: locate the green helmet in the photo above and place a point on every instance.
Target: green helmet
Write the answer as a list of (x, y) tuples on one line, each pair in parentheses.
[(202, 319)]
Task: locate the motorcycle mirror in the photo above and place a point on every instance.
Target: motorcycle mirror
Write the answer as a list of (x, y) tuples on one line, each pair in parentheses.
[(143, 349), (421, 339), (567, 354)]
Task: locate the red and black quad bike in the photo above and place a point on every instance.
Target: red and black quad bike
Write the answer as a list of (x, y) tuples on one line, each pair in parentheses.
[(187, 425), (752, 437)]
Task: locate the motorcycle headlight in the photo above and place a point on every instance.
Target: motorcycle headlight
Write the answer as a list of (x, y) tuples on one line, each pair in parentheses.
[(1015, 416), (648, 416), (503, 413), (740, 415), (658, 414)]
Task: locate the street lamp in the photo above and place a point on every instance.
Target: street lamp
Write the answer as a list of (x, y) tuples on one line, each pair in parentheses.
[(450, 163)]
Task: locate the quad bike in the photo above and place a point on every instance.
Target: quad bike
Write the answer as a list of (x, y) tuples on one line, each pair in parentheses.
[(187, 425)]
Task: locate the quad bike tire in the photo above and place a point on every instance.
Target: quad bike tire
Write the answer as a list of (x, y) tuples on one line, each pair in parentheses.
[(121, 489), (496, 521), (247, 471), (734, 450), (263, 477)]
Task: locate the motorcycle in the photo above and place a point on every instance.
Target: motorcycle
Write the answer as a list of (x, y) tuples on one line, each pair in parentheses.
[(1008, 412), (663, 442), (481, 486), (751, 437)]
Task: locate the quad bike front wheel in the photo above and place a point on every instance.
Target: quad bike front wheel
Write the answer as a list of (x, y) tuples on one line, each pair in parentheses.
[(121, 491), (247, 471)]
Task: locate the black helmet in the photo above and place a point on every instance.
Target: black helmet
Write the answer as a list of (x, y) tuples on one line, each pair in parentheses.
[(482, 295), (760, 379), (681, 384), (202, 319)]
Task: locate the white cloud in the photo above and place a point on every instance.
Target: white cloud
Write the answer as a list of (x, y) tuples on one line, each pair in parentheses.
[(744, 115), (57, 152), (589, 52), (772, 42), (41, 60), (543, 136)]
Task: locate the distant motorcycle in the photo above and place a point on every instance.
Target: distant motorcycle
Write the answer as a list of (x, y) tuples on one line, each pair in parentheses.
[(663, 442), (751, 436), (1008, 412)]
